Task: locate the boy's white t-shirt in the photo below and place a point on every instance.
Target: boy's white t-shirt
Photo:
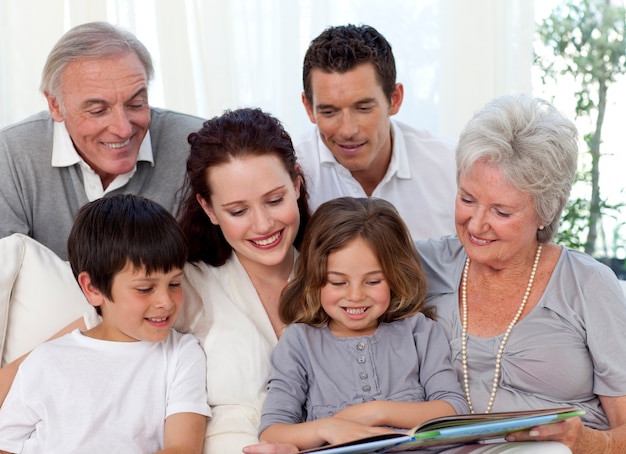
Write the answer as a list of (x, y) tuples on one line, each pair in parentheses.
[(78, 394)]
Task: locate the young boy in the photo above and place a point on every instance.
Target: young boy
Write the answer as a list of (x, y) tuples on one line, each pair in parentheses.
[(130, 384)]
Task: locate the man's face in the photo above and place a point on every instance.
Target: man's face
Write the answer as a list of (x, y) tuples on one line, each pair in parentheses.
[(352, 114), (104, 104)]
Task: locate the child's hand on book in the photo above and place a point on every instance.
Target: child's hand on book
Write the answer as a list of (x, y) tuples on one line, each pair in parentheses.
[(265, 447), (368, 413), (337, 429)]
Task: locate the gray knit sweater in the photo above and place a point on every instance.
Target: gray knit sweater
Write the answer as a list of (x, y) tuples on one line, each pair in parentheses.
[(40, 200)]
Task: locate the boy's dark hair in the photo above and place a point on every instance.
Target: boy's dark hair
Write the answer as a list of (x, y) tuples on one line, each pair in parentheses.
[(340, 49), (112, 231)]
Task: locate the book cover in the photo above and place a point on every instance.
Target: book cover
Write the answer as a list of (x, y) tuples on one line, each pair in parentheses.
[(452, 430)]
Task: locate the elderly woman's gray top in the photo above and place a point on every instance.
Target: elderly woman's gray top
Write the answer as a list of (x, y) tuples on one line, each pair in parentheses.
[(568, 350), (315, 374)]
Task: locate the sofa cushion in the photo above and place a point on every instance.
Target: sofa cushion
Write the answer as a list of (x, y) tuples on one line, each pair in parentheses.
[(38, 295)]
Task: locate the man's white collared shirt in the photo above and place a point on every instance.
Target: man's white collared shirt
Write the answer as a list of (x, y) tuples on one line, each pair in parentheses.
[(420, 180), (64, 154)]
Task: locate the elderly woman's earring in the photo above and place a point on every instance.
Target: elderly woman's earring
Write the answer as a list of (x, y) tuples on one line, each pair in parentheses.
[(541, 227)]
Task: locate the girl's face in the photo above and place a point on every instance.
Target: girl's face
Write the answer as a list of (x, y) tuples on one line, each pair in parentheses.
[(254, 202), (356, 292)]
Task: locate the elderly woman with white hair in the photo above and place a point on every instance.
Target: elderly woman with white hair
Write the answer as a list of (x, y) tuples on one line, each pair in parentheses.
[(531, 324)]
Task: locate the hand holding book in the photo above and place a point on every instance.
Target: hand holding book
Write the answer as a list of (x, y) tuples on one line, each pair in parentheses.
[(452, 430)]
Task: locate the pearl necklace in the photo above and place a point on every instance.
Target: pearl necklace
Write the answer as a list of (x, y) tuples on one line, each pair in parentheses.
[(496, 374)]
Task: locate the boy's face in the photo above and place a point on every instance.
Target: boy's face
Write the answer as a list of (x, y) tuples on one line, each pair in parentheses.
[(143, 307)]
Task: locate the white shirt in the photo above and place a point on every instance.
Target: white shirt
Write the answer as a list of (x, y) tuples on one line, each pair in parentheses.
[(420, 180), (223, 310), (79, 394), (64, 154)]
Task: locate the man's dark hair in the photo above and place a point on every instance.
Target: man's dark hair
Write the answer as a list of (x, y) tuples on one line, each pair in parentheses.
[(342, 48)]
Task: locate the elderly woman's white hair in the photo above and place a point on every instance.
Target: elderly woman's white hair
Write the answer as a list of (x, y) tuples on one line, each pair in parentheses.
[(535, 147)]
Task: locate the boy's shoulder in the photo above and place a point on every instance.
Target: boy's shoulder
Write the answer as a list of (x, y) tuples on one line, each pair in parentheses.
[(51, 352), (61, 342), (175, 341)]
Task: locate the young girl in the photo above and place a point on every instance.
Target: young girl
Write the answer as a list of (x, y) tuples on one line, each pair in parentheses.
[(360, 354)]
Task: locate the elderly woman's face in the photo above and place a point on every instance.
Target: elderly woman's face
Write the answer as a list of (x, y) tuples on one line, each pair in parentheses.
[(495, 222)]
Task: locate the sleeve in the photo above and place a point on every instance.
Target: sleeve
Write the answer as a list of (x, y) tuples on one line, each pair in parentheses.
[(288, 383), (437, 375), (12, 211), (603, 306), (187, 383)]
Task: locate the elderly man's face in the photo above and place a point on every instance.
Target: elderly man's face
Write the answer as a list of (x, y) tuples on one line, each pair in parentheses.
[(104, 104)]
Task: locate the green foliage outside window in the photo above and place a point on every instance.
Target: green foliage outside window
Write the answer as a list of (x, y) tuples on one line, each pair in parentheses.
[(584, 40)]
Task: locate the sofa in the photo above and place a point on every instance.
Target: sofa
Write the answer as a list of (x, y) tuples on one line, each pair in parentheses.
[(38, 295)]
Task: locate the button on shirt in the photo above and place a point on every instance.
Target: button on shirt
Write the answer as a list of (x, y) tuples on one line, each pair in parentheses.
[(420, 181), (315, 374), (64, 154)]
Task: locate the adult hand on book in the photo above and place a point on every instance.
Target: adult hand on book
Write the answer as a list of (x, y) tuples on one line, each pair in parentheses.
[(570, 432)]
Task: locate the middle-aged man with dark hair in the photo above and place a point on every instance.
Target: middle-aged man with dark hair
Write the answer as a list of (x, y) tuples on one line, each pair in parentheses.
[(356, 149)]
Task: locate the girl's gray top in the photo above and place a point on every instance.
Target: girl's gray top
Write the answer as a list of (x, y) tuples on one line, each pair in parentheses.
[(568, 350), (315, 374)]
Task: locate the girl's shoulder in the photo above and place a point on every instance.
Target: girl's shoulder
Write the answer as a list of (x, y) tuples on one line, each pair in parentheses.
[(302, 337), (302, 330), (416, 323)]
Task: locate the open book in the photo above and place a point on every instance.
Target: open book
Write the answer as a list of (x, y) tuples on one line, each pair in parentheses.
[(452, 430)]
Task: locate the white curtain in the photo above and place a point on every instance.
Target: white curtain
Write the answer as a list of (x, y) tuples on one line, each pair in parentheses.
[(212, 55)]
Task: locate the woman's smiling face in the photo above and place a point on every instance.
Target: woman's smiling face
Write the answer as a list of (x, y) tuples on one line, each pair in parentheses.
[(255, 203), (495, 222)]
